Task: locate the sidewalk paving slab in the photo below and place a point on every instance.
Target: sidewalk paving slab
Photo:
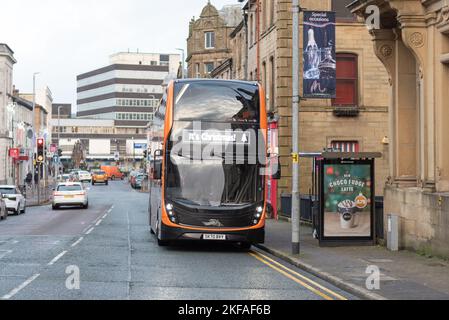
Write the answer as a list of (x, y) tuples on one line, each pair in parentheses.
[(405, 275)]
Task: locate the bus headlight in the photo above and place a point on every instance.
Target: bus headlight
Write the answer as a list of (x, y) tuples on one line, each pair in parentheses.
[(169, 207), (259, 210)]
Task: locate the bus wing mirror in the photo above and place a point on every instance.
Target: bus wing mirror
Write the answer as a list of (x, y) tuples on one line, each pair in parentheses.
[(157, 170), (158, 153), (278, 169)]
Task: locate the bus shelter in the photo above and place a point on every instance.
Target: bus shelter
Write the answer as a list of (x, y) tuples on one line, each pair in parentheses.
[(345, 185)]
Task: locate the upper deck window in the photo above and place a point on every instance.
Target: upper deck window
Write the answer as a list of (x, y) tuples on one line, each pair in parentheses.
[(216, 101)]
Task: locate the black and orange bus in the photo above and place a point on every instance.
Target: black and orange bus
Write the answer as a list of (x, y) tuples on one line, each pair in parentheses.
[(207, 178)]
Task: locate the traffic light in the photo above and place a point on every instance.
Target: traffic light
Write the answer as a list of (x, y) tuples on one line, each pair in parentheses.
[(40, 150), (145, 154), (59, 152)]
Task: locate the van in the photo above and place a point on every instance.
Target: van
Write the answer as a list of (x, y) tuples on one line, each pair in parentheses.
[(113, 172)]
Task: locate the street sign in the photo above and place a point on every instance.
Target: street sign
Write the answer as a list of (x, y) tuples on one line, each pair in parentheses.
[(53, 148), (14, 153)]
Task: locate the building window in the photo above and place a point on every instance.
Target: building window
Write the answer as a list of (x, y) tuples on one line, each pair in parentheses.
[(345, 146), (209, 67), (209, 39), (347, 80), (197, 70), (341, 12)]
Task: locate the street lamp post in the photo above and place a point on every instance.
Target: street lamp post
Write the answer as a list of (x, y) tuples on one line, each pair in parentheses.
[(34, 129), (183, 61), (59, 141), (12, 109), (296, 216)]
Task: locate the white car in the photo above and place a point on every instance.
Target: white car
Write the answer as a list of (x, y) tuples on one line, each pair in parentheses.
[(14, 200), (70, 194), (84, 176)]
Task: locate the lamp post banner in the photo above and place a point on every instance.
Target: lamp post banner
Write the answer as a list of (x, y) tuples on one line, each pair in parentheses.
[(320, 66)]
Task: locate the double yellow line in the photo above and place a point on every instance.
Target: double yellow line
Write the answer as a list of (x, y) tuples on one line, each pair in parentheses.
[(307, 283)]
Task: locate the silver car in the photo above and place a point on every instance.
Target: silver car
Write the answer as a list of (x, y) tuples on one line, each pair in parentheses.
[(14, 200), (70, 194)]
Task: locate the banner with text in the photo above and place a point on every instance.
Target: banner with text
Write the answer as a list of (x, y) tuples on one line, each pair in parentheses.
[(319, 55)]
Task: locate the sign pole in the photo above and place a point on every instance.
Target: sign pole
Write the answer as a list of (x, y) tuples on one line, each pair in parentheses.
[(295, 134)]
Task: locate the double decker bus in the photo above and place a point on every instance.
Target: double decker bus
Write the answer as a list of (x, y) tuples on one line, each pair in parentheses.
[(208, 152)]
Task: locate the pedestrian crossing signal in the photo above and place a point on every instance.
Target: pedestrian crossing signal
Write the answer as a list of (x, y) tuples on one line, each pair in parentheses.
[(40, 150)]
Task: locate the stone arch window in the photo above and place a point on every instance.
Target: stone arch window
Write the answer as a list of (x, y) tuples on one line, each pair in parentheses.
[(347, 80)]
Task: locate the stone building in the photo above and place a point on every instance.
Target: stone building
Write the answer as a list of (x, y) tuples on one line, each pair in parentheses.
[(356, 121), (413, 45), (209, 42)]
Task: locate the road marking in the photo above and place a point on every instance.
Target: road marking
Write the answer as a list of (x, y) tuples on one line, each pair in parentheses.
[(77, 242), (105, 215), (59, 256), (129, 255), (4, 253), (98, 222), (22, 286), (291, 277), (316, 284), (90, 230)]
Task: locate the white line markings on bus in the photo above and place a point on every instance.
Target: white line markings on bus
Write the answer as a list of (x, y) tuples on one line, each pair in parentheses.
[(23, 285), (55, 259)]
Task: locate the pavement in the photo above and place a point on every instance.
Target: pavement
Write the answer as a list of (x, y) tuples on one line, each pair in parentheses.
[(404, 275), (107, 252)]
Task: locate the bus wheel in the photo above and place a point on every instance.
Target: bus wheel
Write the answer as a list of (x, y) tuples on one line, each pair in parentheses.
[(246, 246), (162, 243)]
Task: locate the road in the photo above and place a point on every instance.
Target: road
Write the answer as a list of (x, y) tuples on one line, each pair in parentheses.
[(110, 245)]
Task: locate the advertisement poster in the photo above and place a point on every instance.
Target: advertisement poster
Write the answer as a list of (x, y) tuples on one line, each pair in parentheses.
[(320, 66), (347, 200)]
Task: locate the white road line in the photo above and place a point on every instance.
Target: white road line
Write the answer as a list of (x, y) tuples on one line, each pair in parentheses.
[(129, 255), (4, 253), (23, 285), (90, 230), (98, 222), (77, 242), (59, 256), (104, 216)]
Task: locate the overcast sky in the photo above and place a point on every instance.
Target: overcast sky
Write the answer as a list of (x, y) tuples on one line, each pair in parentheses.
[(64, 38)]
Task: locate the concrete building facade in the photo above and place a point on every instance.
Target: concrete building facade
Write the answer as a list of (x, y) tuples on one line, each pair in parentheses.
[(412, 43), (7, 62), (128, 90)]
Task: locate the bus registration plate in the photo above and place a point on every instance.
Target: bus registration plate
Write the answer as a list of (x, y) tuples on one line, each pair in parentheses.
[(214, 237)]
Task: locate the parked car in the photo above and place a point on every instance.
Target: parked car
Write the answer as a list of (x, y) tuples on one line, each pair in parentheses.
[(133, 174), (3, 209), (70, 194), (138, 180), (14, 200), (113, 172), (99, 176), (64, 177), (83, 176)]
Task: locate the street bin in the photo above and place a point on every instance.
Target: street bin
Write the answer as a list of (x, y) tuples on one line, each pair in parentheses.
[(393, 232)]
